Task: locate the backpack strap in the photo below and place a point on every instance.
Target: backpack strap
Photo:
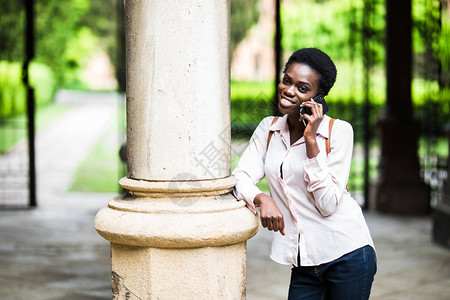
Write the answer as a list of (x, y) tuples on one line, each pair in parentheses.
[(271, 132), (327, 141)]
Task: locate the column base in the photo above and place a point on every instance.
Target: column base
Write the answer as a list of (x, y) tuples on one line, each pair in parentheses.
[(179, 246), (197, 273), (175, 222)]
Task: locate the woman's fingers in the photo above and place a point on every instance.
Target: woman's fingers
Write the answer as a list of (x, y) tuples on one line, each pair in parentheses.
[(316, 111), (273, 223), (316, 108), (281, 225), (271, 217), (264, 222)]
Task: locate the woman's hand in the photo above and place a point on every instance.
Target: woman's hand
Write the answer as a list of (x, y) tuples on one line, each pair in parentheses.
[(271, 217), (314, 121)]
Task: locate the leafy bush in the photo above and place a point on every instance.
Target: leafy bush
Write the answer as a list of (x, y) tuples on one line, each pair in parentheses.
[(251, 102), (81, 47), (12, 90)]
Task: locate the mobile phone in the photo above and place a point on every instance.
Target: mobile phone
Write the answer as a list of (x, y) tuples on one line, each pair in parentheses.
[(319, 99)]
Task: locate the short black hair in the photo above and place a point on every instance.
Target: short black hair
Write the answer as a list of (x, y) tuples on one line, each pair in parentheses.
[(320, 62)]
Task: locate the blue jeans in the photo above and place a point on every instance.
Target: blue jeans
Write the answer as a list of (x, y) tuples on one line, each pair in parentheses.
[(349, 277)]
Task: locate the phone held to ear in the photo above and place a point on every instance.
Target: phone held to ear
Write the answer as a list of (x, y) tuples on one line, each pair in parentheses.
[(306, 110)]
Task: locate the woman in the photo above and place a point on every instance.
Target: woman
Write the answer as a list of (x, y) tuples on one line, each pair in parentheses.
[(317, 226)]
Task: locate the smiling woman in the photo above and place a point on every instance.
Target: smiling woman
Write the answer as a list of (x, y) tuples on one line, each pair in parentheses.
[(317, 226)]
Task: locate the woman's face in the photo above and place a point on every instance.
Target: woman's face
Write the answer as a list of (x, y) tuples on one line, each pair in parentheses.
[(300, 83)]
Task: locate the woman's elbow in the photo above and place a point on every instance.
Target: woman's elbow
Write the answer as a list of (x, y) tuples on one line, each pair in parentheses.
[(327, 209)]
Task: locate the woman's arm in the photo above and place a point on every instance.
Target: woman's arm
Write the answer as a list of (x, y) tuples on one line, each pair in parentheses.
[(250, 168), (327, 176), (249, 171)]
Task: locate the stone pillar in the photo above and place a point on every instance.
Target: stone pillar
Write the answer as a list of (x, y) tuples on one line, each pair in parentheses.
[(399, 189), (441, 213), (177, 233)]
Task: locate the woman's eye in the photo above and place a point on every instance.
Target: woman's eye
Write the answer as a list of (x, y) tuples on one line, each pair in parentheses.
[(285, 81), (302, 89)]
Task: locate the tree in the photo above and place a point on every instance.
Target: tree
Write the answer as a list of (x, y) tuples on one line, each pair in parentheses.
[(12, 26), (244, 14), (55, 25)]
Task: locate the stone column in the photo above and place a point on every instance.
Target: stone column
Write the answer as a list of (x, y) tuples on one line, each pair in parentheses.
[(177, 233), (399, 189)]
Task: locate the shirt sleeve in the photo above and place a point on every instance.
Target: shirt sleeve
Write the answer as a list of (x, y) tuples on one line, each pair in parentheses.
[(327, 176), (250, 169)]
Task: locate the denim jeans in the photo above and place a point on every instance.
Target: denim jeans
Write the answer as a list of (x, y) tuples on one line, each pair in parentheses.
[(349, 277)]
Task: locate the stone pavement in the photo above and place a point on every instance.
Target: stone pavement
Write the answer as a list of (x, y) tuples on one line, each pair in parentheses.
[(53, 251)]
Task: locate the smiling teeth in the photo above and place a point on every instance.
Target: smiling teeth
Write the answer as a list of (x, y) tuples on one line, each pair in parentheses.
[(289, 101)]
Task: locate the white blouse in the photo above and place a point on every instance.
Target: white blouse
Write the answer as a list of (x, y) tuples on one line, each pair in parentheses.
[(322, 220)]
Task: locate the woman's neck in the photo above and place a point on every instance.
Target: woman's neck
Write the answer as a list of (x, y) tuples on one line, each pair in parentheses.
[(296, 128)]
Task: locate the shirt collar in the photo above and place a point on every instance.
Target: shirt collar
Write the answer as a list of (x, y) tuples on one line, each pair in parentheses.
[(323, 129), (281, 124)]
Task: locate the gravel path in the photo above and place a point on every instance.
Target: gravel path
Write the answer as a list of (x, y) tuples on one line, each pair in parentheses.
[(63, 146), (60, 147)]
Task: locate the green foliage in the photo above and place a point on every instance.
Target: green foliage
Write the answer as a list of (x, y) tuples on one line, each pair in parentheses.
[(311, 24), (106, 21), (12, 91), (12, 36), (426, 32), (251, 89), (80, 49), (102, 19), (250, 103), (444, 41), (333, 26), (244, 14), (56, 24)]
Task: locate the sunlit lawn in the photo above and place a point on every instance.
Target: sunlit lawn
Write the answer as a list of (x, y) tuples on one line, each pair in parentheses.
[(102, 169)]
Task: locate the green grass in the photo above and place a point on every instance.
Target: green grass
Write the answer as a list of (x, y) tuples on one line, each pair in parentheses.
[(102, 169)]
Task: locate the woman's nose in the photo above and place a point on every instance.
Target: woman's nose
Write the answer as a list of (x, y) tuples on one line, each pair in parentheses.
[(291, 90)]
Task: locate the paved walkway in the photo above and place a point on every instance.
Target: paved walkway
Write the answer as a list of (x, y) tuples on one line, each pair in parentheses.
[(53, 251)]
